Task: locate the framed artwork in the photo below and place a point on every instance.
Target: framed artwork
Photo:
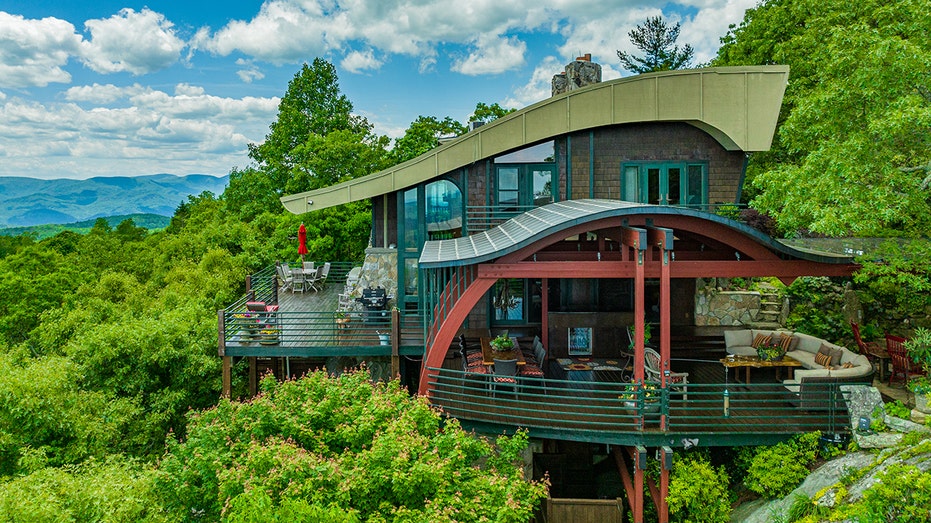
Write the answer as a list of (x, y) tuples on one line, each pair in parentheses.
[(580, 341)]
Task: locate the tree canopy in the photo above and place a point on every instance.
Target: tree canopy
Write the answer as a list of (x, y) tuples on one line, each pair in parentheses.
[(853, 151), (657, 40)]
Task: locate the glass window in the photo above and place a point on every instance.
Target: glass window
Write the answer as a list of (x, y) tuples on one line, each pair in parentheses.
[(411, 223), (508, 300), (508, 186), (629, 192), (696, 185), (542, 186), (443, 210)]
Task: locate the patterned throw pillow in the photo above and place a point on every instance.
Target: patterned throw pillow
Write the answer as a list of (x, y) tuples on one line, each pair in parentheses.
[(761, 340), (848, 365), (786, 342), (823, 359)]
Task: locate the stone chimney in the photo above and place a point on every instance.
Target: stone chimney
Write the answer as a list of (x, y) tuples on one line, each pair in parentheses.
[(578, 73)]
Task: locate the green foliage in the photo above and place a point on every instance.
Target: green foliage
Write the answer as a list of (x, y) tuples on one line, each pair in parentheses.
[(897, 409), (848, 158), (368, 448), (803, 507), (897, 277), (487, 113), (657, 40), (316, 141), (903, 494), (817, 307), (728, 210), (424, 134), (698, 491), (776, 470), (115, 490)]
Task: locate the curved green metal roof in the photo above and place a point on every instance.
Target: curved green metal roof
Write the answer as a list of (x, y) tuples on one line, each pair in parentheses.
[(541, 222), (738, 106)]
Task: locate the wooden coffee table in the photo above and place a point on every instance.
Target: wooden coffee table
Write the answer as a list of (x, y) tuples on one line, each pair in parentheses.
[(749, 362)]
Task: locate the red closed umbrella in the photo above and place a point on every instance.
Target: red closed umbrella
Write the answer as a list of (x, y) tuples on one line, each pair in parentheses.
[(302, 241)]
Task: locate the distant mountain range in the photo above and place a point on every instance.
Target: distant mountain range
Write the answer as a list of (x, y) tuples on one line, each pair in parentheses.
[(26, 202)]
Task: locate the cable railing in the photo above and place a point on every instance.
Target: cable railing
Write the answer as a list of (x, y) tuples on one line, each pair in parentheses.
[(615, 412)]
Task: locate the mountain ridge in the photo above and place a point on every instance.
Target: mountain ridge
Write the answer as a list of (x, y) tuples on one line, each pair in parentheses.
[(26, 202)]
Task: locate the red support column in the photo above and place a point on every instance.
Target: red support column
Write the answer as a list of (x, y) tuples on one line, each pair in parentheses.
[(662, 238), (665, 467), (636, 238)]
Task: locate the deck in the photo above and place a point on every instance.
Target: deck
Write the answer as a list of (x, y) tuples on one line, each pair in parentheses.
[(307, 324)]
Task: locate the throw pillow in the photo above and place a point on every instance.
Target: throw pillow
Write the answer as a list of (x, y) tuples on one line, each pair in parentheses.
[(836, 355), (761, 340), (786, 342), (823, 359), (848, 365)]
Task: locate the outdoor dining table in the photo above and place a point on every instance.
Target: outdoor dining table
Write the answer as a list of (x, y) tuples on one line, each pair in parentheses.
[(489, 356)]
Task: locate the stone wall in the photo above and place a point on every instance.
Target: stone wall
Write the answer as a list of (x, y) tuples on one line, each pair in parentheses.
[(715, 307), (380, 269)]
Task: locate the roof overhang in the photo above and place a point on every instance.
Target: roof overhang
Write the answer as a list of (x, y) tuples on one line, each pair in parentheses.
[(738, 106), (558, 219)]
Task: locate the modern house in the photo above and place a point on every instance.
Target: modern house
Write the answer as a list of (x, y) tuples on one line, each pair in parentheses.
[(581, 221)]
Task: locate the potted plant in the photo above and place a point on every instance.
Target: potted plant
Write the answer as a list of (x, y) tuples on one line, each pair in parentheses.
[(770, 351), (634, 392), (268, 335), (918, 347), (502, 343)]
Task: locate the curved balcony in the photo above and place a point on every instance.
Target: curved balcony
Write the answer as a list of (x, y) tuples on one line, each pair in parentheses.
[(608, 412)]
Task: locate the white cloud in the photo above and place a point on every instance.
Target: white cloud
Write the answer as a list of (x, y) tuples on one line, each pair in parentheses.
[(34, 52), (182, 132), (492, 55), (249, 72), (540, 85), (137, 42), (359, 61)]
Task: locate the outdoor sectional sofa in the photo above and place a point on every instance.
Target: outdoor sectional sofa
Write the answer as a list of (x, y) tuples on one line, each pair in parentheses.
[(846, 367)]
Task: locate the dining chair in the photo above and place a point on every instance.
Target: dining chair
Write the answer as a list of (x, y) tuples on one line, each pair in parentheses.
[(504, 372), (308, 266)]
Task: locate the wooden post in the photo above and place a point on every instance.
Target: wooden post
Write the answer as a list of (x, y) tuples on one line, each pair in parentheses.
[(227, 376), (395, 343)]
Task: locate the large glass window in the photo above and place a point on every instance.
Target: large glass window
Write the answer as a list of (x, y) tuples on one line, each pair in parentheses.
[(508, 187), (443, 212)]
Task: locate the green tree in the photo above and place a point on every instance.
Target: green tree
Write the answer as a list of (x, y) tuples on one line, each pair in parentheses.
[(345, 447), (424, 134), (486, 113), (316, 141), (657, 40), (853, 155)]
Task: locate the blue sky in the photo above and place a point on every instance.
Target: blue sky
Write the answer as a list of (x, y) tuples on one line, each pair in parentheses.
[(124, 88)]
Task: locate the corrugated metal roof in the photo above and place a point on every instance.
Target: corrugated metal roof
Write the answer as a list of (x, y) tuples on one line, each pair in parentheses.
[(541, 222)]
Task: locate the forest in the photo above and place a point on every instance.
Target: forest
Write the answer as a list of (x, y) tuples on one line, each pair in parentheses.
[(110, 406)]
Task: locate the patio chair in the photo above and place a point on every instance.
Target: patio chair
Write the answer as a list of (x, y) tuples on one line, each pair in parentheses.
[(873, 351), (320, 280), (298, 281), (308, 266), (285, 279), (503, 372), (653, 367), (901, 361)]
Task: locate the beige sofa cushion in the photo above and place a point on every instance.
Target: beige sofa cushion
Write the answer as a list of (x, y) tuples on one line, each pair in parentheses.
[(742, 337)]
